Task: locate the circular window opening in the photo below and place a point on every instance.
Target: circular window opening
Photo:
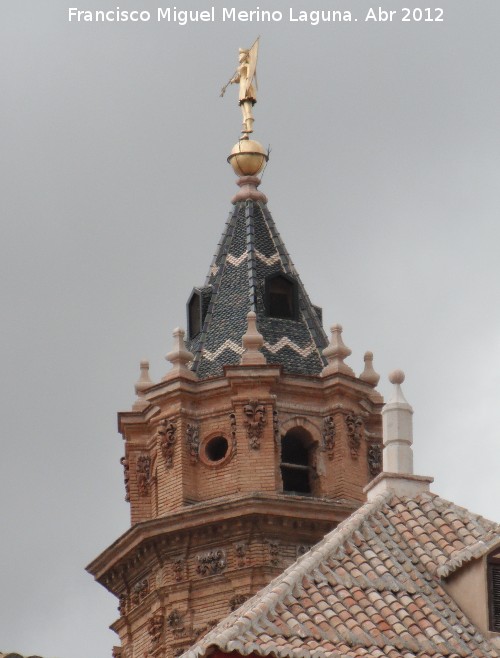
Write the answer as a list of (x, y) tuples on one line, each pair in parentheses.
[(216, 449)]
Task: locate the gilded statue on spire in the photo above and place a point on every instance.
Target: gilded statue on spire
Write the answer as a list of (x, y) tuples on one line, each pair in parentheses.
[(247, 157), (246, 76)]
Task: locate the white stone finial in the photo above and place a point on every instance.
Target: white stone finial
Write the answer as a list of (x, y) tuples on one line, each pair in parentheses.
[(141, 385), (397, 429), (335, 354), (397, 377), (252, 341), (369, 375), (179, 357)]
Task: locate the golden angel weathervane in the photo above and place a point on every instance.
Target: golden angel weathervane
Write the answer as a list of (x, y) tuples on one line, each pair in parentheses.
[(246, 76), (247, 156)]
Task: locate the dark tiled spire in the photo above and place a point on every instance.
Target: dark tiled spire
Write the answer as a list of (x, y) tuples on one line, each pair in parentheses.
[(250, 255)]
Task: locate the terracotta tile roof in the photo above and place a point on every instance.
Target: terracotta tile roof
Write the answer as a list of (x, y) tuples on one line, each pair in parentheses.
[(371, 588)]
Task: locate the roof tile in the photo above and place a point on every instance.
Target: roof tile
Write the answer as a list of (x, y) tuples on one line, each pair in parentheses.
[(390, 612)]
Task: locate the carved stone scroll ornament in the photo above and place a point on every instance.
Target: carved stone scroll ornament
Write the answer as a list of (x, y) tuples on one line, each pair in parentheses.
[(175, 620), (212, 623), (143, 469), (199, 631), (155, 628), (122, 605), (232, 421), (302, 549), (211, 562), (255, 413), (355, 428), (193, 442), (179, 568), (236, 601), (126, 477), (328, 436), (139, 592), (274, 552), (276, 429), (375, 459), (166, 433), (159, 577), (117, 652), (241, 550)]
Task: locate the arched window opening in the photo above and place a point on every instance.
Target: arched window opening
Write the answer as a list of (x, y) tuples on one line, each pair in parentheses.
[(281, 297), (296, 468), (194, 315), (494, 591)]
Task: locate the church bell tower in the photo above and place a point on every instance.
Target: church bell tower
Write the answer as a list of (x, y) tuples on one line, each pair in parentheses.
[(258, 441)]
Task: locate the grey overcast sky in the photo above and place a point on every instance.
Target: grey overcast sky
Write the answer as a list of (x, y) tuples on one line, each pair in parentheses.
[(383, 181)]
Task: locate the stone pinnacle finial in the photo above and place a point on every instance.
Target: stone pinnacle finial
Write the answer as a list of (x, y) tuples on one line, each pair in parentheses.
[(248, 190), (179, 357), (142, 384), (369, 375), (397, 377), (335, 354), (397, 429), (252, 341)]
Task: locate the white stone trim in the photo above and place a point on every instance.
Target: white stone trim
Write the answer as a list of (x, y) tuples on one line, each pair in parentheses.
[(238, 260), (226, 345), (286, 342)]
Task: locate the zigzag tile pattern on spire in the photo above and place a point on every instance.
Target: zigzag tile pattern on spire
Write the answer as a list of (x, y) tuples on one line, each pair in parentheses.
[(249, 252)]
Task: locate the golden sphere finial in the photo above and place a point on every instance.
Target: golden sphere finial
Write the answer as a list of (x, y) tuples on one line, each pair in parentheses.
[(247, 157)]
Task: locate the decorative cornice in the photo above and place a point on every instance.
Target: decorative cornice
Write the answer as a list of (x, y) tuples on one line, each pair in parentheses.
[(135, 543)]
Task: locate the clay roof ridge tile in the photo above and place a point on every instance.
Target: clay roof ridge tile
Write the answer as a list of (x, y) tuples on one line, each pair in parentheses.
[(472, 551)]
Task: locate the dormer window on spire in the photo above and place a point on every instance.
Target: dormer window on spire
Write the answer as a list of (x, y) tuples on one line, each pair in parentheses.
[(281, 297), (194, 314), (197, 307)]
